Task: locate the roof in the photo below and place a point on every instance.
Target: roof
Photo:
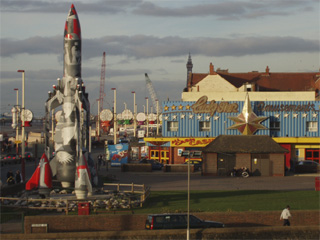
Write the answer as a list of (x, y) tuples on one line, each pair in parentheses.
[(268, 81), (244, 144)]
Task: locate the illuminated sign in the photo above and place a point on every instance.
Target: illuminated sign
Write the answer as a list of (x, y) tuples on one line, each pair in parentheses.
[(212, 107), (191, 142)]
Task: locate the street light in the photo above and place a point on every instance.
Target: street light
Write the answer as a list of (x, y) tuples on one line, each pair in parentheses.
[(157, 117), (114, 115), (17, 120), (22, 129), (134, 113), (189, 155), (147, 117)]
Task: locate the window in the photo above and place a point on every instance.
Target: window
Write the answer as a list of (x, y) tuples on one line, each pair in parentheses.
[(173, 126), (274, 126), (312, 126), (204, 126)]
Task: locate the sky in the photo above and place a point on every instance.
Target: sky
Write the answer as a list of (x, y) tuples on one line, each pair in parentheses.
[(154, 37)]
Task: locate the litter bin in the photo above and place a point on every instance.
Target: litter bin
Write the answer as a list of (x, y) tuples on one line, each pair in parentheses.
[(317, 183), (84, 208)]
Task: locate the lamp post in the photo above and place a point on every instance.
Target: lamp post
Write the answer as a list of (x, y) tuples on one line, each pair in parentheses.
[(157, 117), (114, 115), (22, 129), (98, 127), (17, 120), (134, 113), (147, 117), (189, 154)]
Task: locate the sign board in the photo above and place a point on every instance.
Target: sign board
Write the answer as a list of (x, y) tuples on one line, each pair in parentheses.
[(118, 154)]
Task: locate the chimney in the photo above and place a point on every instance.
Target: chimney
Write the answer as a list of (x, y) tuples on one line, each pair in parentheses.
[(267, 70), (212, 72)]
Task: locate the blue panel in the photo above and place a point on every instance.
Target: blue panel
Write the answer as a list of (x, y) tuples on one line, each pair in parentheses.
[(292, 115)]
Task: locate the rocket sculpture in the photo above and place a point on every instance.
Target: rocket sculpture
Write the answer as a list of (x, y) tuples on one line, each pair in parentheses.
[(41, 178), (71, 137)]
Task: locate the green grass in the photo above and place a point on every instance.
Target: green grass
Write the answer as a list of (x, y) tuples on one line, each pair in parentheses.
[(224, 201)]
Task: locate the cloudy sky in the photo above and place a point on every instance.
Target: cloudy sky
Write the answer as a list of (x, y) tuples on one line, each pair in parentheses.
[(154, 37)]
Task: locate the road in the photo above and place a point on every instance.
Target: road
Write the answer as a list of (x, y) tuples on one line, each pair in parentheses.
[(168, 181)]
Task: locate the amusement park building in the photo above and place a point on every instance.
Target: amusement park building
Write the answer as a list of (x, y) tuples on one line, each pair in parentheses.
[(282, 106)]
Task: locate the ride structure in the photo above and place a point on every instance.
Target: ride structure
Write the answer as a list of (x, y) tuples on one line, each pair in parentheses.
[(152, 93)]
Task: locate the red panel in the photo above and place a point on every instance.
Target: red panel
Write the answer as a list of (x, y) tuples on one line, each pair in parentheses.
[(287, 155)]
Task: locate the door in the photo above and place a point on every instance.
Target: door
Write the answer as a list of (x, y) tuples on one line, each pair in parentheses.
[(226, 163), (260, 165)]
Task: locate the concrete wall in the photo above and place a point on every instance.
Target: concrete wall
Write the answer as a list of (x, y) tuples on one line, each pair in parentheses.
[(277, 164), (209, 164)]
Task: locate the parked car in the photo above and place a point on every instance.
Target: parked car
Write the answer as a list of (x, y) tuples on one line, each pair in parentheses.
[(154, 164), (11, 156), (28, 156), (307, 166), (197, 164), (178, 221)]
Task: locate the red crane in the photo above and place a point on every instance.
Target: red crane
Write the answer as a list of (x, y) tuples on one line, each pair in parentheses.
[(102, 80)]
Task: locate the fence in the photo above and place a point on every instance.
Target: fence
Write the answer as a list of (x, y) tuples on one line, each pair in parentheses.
[(67, 205), (139, 189)]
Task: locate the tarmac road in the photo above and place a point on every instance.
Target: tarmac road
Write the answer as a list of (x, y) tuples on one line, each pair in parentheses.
[(168, 181)]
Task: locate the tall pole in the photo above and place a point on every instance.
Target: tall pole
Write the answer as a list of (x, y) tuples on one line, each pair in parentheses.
[(17, 121), (188, 220), (157, 117), (114, 115), (124, 122), (134, 114), (147, 117), (23, 172), (98, 127)]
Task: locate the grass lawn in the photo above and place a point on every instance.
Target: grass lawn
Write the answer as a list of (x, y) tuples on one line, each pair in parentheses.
[(223, 201)]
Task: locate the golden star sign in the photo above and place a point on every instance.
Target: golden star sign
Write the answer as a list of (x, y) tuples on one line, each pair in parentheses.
[(166, 108), (180, 107), (187, 107), (247, 122), (173, 107)]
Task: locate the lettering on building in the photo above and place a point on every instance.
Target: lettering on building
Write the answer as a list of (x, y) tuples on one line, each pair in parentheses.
[(212, 107), (285, 107)]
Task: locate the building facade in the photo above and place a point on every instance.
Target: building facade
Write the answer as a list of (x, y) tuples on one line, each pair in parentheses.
[(221, 103)]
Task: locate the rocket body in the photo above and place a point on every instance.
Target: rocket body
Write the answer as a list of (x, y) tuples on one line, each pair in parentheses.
[(72, 45), (72, 130)]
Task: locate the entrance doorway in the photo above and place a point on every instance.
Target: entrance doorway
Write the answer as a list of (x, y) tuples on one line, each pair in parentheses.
[(226, 163), (260, 165)]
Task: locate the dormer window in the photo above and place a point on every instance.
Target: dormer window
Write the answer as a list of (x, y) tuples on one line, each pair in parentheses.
[(248, 87)]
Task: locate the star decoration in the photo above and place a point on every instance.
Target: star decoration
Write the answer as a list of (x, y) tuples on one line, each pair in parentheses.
[(304, 115), (180, 107), (166, 117), (166, 108), (190, 116), (277, 115), (286, 115), (173, 107), (174, 117), (207, 117), (247, 122), (188, 107), (216, 117), (314, 115), (199, 117), (182, 116), (295, 115)]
